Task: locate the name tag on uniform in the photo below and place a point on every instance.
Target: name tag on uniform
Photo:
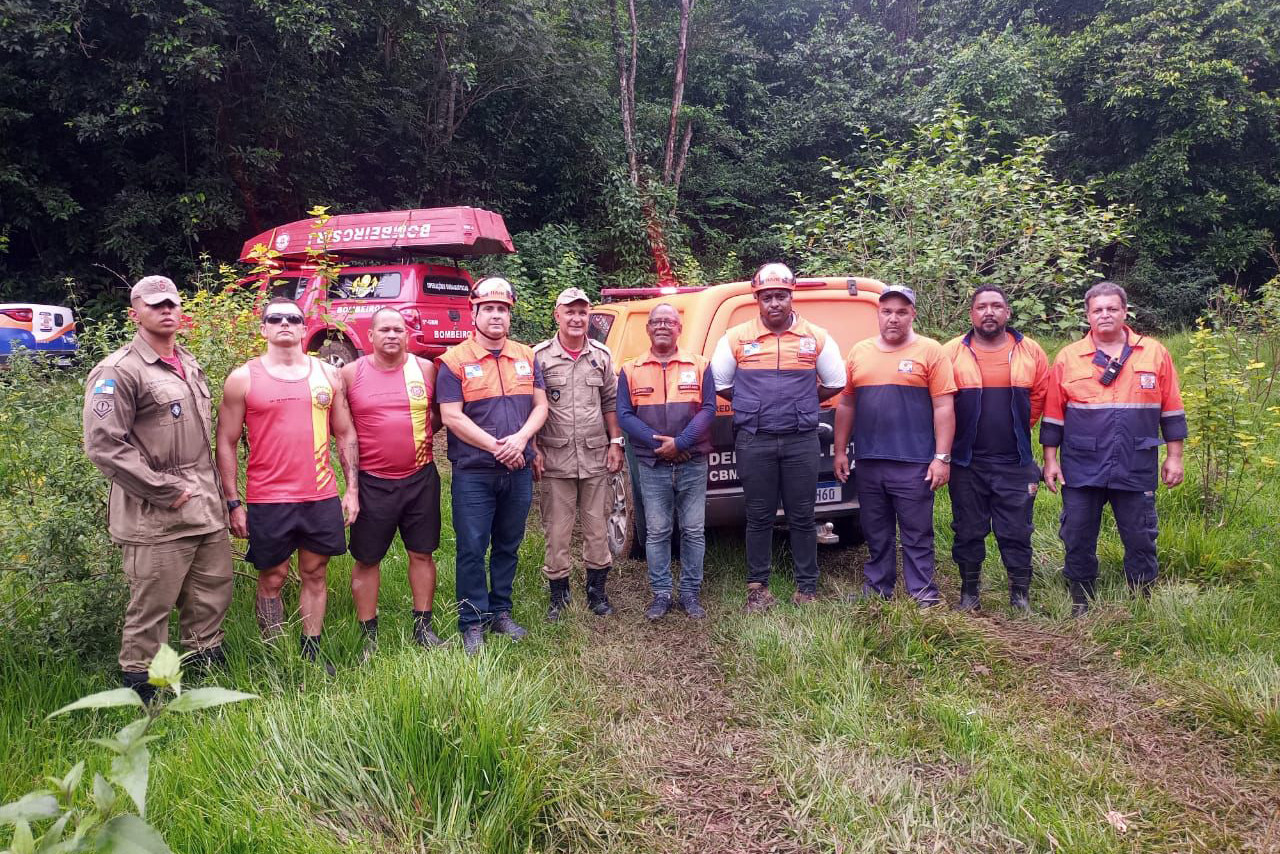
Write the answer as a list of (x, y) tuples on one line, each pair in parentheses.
[(688, 380), (645, 390), (808, 345), (906, 366), (1147, 381), (472, 372), (751, 348), (523, 369)]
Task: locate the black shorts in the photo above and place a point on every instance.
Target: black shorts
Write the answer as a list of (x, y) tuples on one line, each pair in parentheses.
[(276, 531), (410, 504)]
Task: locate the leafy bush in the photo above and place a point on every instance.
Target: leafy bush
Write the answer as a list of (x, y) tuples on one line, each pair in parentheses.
[(549, 260), (945, 213), (98, 820)]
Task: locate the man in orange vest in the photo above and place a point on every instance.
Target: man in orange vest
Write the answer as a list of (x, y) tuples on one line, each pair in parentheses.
[(1001, 377), (777, 369), (1112, 396)]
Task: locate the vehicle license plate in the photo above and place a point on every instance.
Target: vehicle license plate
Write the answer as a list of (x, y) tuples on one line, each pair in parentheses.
[(828, 493)]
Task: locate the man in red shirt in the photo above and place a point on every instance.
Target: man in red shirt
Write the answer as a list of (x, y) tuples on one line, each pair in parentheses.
[(897, 406), (291, 404), (1001, 377), (391, 393), (1112, 396)]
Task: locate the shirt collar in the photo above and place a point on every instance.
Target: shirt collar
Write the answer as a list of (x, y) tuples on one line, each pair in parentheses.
[(1132, 340), (759, 330), (479, 351), (678, 356)]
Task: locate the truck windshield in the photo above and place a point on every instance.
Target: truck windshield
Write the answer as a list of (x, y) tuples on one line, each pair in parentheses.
[(601, 323), (366, 286)]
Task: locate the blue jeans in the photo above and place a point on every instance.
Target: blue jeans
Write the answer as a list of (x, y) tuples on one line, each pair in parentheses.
[(489, 508), (673, 492)]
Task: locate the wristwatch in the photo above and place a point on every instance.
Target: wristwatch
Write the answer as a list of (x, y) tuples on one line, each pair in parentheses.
[(617, 440), (943, 458), (232, 504)]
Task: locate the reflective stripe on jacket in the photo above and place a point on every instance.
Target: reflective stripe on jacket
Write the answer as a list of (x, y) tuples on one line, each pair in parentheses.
[(1028, 377), (1110, 435)]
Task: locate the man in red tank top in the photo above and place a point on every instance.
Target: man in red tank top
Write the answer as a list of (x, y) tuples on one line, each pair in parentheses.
[(291, 404), (391, 393)]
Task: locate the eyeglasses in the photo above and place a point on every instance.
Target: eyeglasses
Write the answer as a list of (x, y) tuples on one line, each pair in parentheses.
[(277, 319), (662, 321)]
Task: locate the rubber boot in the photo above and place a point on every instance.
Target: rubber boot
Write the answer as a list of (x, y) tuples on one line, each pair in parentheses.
[(970, 587), (597, 600), (1081, 597), (1020, 589), (559, 598), (137, 680)]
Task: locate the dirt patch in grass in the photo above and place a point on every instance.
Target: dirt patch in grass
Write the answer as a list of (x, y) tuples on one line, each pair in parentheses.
[(1195, 767), (668, 717)]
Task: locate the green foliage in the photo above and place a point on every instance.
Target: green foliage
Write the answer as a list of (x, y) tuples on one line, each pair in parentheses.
[(549, 260), (94, 819), (945, 213), (1229, 388)]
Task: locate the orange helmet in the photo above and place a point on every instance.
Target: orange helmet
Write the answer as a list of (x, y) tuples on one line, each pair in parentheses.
[(771, 276), (493, 289)]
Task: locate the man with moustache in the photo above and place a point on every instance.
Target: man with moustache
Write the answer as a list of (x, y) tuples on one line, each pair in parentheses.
[(666, 403), (898, 407), (493, 401), (147, 418), (1001, 379), (577, 448), (391, 393), (777, 369), (291, 404), (1112, 396)]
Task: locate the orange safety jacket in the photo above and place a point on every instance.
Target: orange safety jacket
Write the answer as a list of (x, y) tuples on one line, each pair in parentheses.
[(496, 393), (775, 387), (1028, 380), (1110, 435), (677, 399)]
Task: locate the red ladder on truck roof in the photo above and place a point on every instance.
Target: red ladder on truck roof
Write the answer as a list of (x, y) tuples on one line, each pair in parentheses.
[(458, 232)]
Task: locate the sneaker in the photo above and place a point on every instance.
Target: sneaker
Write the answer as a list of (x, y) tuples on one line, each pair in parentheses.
[(759, 599), (427, 638), (800, 598), (502, 624), (926, 604), (692, 607), (473, 639), (659, 607)]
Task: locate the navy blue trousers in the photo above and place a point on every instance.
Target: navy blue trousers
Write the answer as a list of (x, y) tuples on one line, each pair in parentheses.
[(489, 514), (780, 468), (988, 497), (1135, 514), (895, 498)]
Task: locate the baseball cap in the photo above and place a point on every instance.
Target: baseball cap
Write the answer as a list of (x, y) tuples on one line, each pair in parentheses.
[(155, 289), (773, 275), (570, 295), (493, 289), (899, 290)]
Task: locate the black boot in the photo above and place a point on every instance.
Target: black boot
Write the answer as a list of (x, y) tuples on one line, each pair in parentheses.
[(1140, 589), (1081, 597), (1020, 589), (310, 650), (597, 601), (970, 586), (200, 663), (559, 598), (423, 635), (137, 680), (369, 628)]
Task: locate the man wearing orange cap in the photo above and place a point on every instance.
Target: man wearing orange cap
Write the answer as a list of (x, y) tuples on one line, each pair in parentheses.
[(493, 402), (777, 370), (147, 421)]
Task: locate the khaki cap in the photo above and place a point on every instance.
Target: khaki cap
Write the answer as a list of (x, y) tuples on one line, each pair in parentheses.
[(571, 295), (155, 289)]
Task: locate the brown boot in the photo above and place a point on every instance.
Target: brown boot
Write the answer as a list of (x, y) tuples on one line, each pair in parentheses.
[(759, 599)]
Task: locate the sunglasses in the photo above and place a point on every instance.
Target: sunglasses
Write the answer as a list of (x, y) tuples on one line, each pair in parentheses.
[(277, 319)]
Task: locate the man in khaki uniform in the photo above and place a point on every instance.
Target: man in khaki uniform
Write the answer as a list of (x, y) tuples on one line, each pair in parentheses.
[(147, 418), (577, 448)]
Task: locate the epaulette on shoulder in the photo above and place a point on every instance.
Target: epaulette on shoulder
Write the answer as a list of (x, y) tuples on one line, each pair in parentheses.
[(117, 357), (600, 345), (542, 345)]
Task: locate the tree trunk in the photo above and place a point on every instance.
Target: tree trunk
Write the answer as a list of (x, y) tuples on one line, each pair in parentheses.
[(677, 91), (627, 86)]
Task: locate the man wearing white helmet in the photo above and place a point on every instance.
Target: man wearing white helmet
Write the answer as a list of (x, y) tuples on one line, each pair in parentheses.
[(777, 370), (493, 402)]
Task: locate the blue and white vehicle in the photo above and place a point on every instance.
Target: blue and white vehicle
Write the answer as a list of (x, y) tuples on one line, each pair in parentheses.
[(47, 330)]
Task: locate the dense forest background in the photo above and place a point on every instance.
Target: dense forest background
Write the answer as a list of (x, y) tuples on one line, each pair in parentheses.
[(140, 135)]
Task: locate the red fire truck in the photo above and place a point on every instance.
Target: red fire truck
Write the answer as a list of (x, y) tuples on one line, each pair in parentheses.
[(380, 254)]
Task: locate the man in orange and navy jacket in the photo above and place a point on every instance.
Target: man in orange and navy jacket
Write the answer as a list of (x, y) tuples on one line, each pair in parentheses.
[(777, 369), (493, 401), (1001, 380), (666, 403), (1112, 396)]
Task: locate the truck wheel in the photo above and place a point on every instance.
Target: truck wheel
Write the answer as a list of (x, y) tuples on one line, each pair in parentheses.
[(626, 536), (338, 352)]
